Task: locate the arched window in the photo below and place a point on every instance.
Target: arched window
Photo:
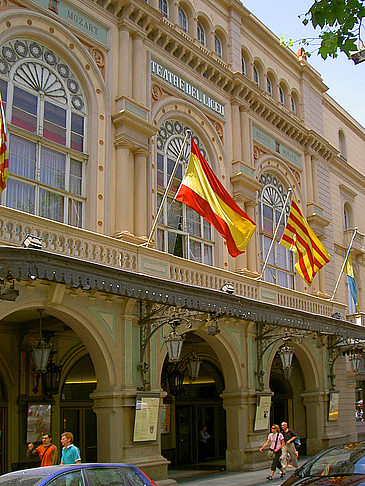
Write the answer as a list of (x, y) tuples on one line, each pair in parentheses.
[(243, 65), (164, 7), (293, 105), (183, 20), (342, 144), (201, 34), (282, 95), (181, 231), (218, 46), (47, 163), (280, 267), (256, 76), (269, 85)]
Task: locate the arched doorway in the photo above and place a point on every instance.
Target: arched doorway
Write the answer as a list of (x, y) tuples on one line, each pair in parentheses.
[(3, 426), (194, 404), (77, 415), (287, 404)]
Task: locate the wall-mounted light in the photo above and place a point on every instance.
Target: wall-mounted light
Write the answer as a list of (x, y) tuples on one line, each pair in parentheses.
[(174, 342), (31, 241), (194, 363)]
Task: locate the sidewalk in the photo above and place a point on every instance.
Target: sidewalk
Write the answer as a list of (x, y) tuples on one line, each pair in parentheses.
[(206, 476)]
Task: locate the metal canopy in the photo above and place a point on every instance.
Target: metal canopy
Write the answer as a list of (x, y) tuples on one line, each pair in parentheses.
[(25, 263)]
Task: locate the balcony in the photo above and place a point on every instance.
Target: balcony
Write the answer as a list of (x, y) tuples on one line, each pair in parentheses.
[(93, 247)]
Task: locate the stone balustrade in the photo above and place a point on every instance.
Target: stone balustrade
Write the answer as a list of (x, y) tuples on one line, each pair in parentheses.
[(111, 252)]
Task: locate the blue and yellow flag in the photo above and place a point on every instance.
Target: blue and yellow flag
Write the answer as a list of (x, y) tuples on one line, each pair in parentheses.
[(351, 282)]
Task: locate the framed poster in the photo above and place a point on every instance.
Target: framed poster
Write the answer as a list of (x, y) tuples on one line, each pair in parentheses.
[(262, 416), (165, 419), (146, 418), (333, 406), (38, 421)]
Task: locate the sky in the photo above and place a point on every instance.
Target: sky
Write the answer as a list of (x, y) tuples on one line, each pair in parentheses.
[(344, 79)]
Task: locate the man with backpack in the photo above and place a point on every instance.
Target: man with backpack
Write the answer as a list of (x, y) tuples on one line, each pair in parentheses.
[(289, 448)]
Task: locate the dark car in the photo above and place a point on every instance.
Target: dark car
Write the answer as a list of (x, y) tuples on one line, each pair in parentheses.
[(342, 465), (78, 475)]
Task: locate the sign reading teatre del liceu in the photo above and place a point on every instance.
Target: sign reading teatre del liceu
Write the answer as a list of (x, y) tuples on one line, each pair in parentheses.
[(186, 87)]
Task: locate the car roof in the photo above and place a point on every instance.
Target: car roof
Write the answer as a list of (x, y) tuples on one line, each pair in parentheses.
[(47, 471)]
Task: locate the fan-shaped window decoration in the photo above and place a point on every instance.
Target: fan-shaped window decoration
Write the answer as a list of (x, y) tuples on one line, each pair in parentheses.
[(44, 100), (183, 20), (181, 231), (201, 34), (280, 268)]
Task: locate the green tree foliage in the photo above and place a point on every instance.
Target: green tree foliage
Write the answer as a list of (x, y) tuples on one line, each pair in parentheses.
[(340, 22)]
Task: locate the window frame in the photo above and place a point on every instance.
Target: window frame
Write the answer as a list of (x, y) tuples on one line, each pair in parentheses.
[(200, 34), (183, 19), (163, 6), (218, 46)]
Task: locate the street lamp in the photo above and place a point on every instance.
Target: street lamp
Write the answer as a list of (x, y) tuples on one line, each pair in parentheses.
[(286, 354), (174, 342), (194, 363), (41, 350), (355, 361)]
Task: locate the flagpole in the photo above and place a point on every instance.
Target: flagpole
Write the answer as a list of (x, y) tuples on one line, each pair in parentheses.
[(344, 263), (290, 190), (187, 134)]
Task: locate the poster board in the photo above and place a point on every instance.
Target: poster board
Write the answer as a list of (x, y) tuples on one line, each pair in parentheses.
[(333, 406), (262, 416), (165, 418), (38, 421), (146, 418)]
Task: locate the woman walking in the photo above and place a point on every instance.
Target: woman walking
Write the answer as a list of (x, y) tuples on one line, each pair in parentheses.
[(276, 441)]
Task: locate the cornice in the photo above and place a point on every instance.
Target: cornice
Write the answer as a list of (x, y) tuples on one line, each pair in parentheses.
[(23, 264)]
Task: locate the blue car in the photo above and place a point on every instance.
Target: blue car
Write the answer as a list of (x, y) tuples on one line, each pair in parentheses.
[(78, 475)]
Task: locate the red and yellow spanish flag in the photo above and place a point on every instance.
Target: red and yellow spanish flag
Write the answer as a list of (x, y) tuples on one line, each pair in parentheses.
[(300, 238), (202, 191), (4, 162)]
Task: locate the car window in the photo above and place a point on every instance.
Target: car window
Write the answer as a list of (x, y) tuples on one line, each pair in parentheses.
[(69, 478), (19, 481), (113, 476), (349, 459)]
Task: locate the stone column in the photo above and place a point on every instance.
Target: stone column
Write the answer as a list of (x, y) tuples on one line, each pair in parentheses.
[(139, 85), (316, 408), (245, 137), (115, 413), (140, 193), (124, 197), (309, 177), (236, 132), (315, 181), (124, 61), (251, 250)]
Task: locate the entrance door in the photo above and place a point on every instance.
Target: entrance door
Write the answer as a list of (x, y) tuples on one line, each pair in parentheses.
[(3, 415), (185, 435), (82, 423)]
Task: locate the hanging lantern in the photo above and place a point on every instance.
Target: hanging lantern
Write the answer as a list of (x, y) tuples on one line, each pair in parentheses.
[(355, 361), (176, 379), (51, 378), (174, 342), (41, 350), (194, 366), (286, 354)]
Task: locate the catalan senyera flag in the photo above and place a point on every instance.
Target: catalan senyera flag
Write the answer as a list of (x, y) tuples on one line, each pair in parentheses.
[(348, 269), (298, 237), (202, 191), (4, 161)]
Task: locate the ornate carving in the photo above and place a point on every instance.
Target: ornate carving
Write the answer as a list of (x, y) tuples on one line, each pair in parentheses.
[(257, 153), (219, 129), (99, 59), (297, 177), (156, 92)]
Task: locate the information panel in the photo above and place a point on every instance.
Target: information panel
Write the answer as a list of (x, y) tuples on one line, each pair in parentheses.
[(146, 418)]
